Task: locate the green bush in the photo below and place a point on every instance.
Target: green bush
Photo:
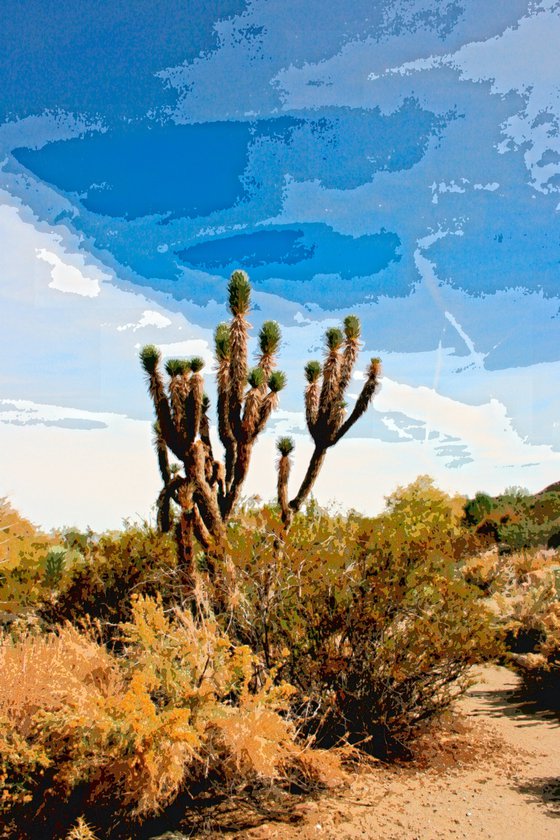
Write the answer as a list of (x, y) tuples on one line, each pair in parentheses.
[(516, 519), (24, 556), (367, 618), (138, 560), (478, 508)]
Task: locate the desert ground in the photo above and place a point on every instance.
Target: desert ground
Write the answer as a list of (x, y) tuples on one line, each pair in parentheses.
[(495, 773)]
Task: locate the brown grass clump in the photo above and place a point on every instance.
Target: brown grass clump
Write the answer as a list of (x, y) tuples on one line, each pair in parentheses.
[(182, 706), (48, 672)]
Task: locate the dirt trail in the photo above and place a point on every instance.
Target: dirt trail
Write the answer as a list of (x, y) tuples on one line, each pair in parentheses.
[(502, 781)]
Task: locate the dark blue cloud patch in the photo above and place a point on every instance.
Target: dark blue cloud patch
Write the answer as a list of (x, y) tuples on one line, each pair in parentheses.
[(195, 170), (284, 260), (250, 250), (155, 197), (189, 170)]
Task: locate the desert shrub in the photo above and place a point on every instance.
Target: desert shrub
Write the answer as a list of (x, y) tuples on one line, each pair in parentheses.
[(378, 629), (528, 533), (515, 519), (508, 575), (182, 705), (479, 507), (24, 550), (525, 598), (484, 569), (110, 570), (81, 831), (541, 670), (422, 521)]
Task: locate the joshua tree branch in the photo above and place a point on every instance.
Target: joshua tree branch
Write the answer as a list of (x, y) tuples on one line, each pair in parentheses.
[(205, 498), (162, 454), (168, 492), (201, 532), (363, 401), (310, 477), (283, 476), (163, 414)]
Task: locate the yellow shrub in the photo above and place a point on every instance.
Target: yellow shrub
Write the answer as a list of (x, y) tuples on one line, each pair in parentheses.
[(181, 704)]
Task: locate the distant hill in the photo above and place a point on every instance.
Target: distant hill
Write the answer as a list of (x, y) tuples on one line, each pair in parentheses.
[(552, 488)]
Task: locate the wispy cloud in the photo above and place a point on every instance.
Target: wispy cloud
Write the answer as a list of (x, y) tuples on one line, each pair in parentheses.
[(68, 278)]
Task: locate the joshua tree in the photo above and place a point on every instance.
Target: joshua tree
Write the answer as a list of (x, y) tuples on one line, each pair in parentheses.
[(208, 490), (325, 409)]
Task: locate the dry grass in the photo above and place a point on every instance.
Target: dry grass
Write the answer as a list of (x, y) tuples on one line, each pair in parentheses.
[(180, 707)]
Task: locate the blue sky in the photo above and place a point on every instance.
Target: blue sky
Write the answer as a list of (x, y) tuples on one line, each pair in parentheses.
[(395, 158)]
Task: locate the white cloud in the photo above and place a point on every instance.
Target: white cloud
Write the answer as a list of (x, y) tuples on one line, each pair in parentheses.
[(100, 477), (359, 473), (149, 318), (486, 429), (67, 278), (62, 311)]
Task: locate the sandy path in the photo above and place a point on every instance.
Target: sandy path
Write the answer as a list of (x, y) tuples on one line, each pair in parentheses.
[(502, 782)]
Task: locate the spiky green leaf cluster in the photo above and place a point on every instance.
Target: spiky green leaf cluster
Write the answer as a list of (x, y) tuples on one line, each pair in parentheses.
[(222, 341), (312, 371), (177, 367), (334, 338), (205, 403), (285, 445), (269, 337), (196, 364), (256, 378), (277, 381), (352, 327), (149, 357), (239, 293)]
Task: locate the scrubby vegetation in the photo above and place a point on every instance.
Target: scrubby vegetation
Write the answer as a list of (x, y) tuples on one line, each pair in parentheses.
[(234, 647), (344, 632), (519, 572), (381, 630), (181, 705), (516, 519)]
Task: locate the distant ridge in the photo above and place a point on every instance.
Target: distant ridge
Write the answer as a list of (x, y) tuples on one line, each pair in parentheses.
[(552, 488)]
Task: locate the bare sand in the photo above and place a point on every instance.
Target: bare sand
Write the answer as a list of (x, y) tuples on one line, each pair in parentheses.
[(495, 773)]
